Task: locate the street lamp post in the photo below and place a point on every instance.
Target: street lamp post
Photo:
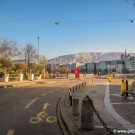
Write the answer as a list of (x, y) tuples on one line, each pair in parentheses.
[(108, 68), (70, 68), (38, 50)]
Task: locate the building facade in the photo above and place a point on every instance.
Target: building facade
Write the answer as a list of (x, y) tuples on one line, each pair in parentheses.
[(130, 64)]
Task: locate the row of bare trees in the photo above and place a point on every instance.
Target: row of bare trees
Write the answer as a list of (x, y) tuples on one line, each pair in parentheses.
[(9, 52)]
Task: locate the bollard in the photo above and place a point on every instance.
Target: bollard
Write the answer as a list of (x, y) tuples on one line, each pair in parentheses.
[(126, 88), (87, 115), (71, 99), (109, 78), (79, 85), (82, 84), (123, 88), (76, 87), (75, 106), (73, 89), (70, 95)]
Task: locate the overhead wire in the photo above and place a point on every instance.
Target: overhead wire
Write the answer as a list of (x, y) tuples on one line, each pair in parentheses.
[(67, 21)]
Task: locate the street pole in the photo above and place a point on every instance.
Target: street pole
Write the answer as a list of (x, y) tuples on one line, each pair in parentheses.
[(70, 68), (38, 50), (108, 69), (44, 71)]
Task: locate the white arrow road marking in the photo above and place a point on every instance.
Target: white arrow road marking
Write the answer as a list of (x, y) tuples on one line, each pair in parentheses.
[(45, 105)]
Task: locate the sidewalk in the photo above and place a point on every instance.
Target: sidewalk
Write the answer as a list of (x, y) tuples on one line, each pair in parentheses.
[(16, 83), (73, 123), (27, 82)]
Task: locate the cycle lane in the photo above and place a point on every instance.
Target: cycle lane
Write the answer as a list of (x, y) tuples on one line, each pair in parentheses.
[(17, 122)]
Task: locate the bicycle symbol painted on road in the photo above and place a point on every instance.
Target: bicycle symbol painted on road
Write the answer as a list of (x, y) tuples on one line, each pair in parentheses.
[(42, 115)]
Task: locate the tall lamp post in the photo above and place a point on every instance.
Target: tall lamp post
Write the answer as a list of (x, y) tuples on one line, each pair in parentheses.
[(108, 68), (38, 50), (70, 68)]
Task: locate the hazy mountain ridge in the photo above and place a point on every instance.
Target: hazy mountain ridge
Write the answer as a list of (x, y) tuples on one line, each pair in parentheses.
[(87, 57)]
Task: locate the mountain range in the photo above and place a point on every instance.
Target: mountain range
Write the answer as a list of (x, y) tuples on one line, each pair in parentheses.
[(87, 57)]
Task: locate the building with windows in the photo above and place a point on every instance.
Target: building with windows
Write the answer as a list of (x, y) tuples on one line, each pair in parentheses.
[(125, 64), (120, 66), (112, 66), (130, 64), (90, 67), (103, 66)]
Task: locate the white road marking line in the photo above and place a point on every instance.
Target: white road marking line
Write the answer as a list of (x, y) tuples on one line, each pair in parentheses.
[(10, 132), (43, 95), (52, 82), (118, 95), (57, 89), (103, 127), (123, 103), (31, 102), (50, 91)]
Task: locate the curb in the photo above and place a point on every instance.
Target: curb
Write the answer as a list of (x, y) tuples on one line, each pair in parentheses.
[(16, 84), (61, 123), (68, 123)]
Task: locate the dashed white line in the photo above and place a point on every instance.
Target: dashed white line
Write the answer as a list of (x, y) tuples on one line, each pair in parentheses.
[(50, 91), (57, 89), (43, 95), (31, 102), (52, 82)]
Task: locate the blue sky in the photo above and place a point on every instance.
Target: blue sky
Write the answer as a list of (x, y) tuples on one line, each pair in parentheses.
[(85, 25)]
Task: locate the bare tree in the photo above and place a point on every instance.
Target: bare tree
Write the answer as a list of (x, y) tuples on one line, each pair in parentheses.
[(42, 58), (64, 70), (8, 49), (30, 54)]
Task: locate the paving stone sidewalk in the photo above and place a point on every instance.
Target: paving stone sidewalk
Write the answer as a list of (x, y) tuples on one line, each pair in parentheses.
[(73, 123)]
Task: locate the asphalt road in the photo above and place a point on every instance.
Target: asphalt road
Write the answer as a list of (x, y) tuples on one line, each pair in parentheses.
[(32, 110)]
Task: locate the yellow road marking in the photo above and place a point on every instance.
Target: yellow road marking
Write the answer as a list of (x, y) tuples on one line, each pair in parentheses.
[(51, 119), (10, 132), (45, 106), (38, 118), (31, 102), (50, 91), (43, 95)]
